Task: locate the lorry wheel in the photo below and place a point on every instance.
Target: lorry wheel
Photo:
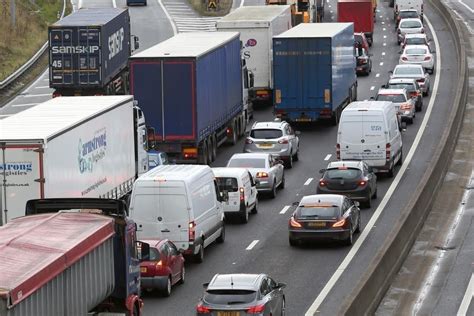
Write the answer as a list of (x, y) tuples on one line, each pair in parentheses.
[(204, 153), (233, 139), (209, 149), (214, 147)]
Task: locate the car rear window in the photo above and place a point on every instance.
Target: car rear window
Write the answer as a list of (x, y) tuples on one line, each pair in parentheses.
[(408, 14), (397, 98), (266, 133), (229, 297), (415, 51), (154, 254), (410, 24), (415, 41), (227, 184), (408, 86), (317, 211), (343, 174), (407, 71), (247, 163)]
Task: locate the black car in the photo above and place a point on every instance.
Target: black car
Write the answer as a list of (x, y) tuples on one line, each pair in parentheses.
[(364, 63), (354, 179), (242, 294), (323, 217)]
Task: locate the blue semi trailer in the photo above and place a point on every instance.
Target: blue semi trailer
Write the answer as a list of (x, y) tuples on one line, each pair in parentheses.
[(191, 89), (314, 69)]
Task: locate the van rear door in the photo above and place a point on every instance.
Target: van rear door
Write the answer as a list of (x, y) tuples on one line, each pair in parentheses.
[(350, 136)]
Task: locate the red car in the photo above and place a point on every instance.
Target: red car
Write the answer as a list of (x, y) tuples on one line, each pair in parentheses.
[(164, 268)]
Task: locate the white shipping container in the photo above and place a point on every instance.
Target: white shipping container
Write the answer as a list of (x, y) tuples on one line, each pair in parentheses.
[(67, 147)]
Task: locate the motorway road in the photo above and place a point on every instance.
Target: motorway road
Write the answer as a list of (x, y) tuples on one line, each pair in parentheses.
[(307, 270)]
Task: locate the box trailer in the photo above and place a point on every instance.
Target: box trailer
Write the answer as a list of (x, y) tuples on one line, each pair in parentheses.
[(71, 147), (190, 88), (70, 257), (359, 12), (88, 52), (314, 71), (257, 25)]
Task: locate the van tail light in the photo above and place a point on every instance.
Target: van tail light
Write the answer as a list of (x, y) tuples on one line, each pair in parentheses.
[(338, 151), (283, 141), (322, 183), (202, 309), (258, 309), (248, 141), (294, 223), (262, 174), (427, 58), (242, 196), (405, 106), (339, 223), (388, 148), (192, 231)]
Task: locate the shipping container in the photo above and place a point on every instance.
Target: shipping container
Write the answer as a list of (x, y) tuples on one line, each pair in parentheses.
[(71, 147), (88, 50), (190, 88), (314, 71), (359, 12), (257, 25)]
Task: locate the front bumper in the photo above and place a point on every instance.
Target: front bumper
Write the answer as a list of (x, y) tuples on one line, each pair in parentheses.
[(156, 282)]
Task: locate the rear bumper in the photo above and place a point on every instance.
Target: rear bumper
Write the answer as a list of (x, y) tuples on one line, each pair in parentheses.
[(264, 185), (319, 235), (364, 68), (261, 94), (156, 282)]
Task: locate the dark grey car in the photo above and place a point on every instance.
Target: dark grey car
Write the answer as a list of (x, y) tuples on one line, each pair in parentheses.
[(242, 294)]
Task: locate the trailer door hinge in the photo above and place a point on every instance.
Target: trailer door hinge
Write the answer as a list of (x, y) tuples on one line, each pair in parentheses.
[(40, 180), (39, 150)]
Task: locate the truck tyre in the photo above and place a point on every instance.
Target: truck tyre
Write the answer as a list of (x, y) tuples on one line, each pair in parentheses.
[(233, 139), (209, 149), (214, 147), (221, 238), (204, 154)]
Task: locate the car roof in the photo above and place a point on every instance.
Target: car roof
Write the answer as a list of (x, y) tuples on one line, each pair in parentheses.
[(334, 199), (345, 163), (250, 155), (269, 124), (416, 46), (402, 80), (229, 172), (408, 66), (391, 91), (237, 281)]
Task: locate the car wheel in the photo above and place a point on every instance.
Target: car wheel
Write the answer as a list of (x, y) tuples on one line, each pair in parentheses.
[(221, 238), (255, 207), (183, 275), (283, 306), (375, 194), (390, 172), (273, 193), (199, 257), (293, 242), (282, 184), (357, 230), (167, 290), (244, 216), (349, 240), (400, 161), (289, 163), (418, 107), (410, 120), (296, 156), (368, 201)]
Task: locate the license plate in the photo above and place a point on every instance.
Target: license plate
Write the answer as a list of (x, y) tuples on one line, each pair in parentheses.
[(317, 224), (303, 119), (265, 146), (143, 270), (228, 313)]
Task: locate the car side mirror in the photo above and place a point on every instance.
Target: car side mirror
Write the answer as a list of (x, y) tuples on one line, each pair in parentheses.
[(322, 171), (371, 170), (370, 55), (295, 203), (251, 79), (205, 285), (136, 42), (281, 285), (390, 72), (181, 251), (150, 135), (247, 133), (400, 52), (372, 98), (143, 250), (384, 86)]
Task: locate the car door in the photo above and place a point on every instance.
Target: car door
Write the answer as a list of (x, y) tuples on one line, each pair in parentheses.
[(275, 169), (265, 297), (275, 295), (174, 262)]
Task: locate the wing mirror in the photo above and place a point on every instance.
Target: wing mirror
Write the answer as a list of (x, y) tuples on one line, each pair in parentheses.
[(281, 162), (205, 285), (143, 250), (281, 285), (322, 171), (136, 42), (295, 203)]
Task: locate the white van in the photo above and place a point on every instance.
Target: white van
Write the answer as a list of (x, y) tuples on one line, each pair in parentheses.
[(370, 131), (409, 4), (180, 203), (241, 190)]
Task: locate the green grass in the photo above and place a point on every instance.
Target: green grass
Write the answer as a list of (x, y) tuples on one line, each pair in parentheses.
[(223, 7), (20, 43)]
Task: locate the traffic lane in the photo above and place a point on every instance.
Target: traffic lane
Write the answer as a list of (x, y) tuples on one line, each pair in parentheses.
[(272, 253), (417, 167), (97, 4), (242, 3)]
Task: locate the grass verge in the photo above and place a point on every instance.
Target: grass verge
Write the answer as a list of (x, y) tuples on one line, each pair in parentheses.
[(201, 6)]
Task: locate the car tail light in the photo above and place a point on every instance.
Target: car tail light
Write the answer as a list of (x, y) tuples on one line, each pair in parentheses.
[(361, 183), (256, 309), (294, 223), (283, 141), (56, 94), (322, 183), (339, 223), (420, 80), (387, 151), (229, 132), (159, 264), (192, 231), (242, 196), (414, 94), (405, 106), (427, 58), (338, 151), (202, 309), (248, 141), (262, 174)]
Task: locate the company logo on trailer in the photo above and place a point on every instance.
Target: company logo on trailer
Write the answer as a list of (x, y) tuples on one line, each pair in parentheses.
[(74, 49), (116, 43), (92, 150), (16, 168), (251, 42)]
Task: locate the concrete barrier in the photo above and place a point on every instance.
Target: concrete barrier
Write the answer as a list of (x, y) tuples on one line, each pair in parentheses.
[(372, 286)]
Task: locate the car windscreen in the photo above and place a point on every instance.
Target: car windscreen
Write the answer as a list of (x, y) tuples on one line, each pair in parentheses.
[(397, 98), (266, 133), (415, 41), (343, 174), (229, 297), (410, 24), (317, 211), (154, 254), (247, 163), (408, 86), (415, 51), (227, 184), (407, 71)]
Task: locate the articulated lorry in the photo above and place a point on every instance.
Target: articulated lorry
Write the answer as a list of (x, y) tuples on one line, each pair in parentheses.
[(71, 257), (359, 12), (191, 88), (314, 72), (71, 147), (257, 25), (89, 51)]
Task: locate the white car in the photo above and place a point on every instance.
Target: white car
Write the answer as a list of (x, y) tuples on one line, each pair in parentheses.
[(409, 26), (416, 39), (414, 72), (403, 103), (241, 190), (418, 54)]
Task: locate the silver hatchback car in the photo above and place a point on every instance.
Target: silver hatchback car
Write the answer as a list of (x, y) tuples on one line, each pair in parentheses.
[(277, 138)]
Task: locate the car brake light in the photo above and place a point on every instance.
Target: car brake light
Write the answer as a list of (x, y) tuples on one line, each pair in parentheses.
[(248, 141), (427, 58), (159, 265), (387, 151), (294, 223), (256, 309), (242, 196), (190, 153), (192, 231), (362, 183), (283, 141), (202, 309), (414, 94), (338, 151), (262, 174), (420, 80), (322, 183), (339, 223), (405, 106)]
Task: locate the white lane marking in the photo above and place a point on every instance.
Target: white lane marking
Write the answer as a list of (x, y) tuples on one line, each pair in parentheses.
[(42, 87), (372, 88), (45, 73), (384, 29), (381, 64), (308, 181), (252, 244), (284, 209), (173, 25), (383, 22), (368, 228), (328, 157), (23, 104), (383, 53), (79, 5), (466, 301), (467, 7), (385, 36), (36, 95), (114, 3), (377, 75), (384, 44)]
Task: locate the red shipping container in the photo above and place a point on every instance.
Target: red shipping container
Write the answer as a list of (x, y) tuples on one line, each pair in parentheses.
[(360, 12)]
